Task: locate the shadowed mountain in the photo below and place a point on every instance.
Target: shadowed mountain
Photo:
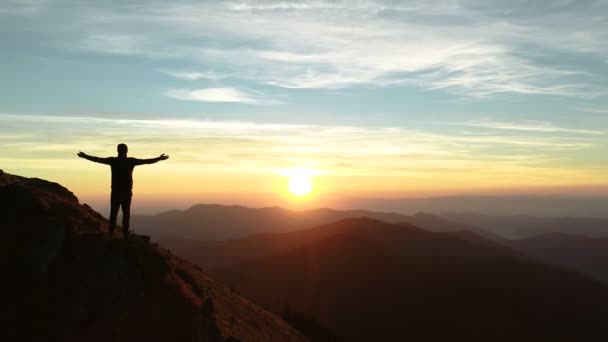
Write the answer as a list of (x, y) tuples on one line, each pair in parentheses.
[(584, 254), (193, 231), (368, 280), (67, 279), (217, 254), (436, 223), (517, 227)]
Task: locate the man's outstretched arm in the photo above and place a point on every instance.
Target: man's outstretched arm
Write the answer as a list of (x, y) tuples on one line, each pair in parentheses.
[(151, 160), (94, 159)]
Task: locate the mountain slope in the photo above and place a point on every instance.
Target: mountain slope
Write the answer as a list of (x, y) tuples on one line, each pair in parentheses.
[(436, 223), (69, 280), (376, 281), (217, 254), (581, 253)]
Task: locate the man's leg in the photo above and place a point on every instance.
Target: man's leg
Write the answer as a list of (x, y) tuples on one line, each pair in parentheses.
[(126, 213), (114, 205)]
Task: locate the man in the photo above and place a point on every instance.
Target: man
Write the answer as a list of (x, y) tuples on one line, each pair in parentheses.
[(122, 182)]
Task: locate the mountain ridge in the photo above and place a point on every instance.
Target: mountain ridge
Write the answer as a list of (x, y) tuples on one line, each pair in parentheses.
[(501, 205), (215, 254), (221, 222), (217, 222)]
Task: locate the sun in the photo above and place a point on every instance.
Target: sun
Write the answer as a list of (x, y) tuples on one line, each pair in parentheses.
[(300, 185), (300, 180)]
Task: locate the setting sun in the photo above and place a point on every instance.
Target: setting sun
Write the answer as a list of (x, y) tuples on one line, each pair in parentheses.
[(300, 185), (300, 180)]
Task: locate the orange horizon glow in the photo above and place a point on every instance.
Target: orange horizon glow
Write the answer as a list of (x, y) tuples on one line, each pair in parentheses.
[(163, 187), (332, 162)]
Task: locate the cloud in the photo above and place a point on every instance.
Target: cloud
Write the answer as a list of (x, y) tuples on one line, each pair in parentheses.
[(531, 126), (283, 5), (462, 47), (239, 156), (223, 94), (261, 146), (21, 7), (592, 110), (111, 43), (196, 75)]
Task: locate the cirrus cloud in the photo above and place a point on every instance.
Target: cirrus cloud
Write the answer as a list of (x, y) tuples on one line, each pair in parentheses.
[(222, 94), (462, 47)]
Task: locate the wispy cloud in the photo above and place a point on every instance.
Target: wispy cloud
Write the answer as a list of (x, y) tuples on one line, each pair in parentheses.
[(197, 75), (593, 110), (379, 150), (113, 43), (531, 126), (244, 156), (22, 7), (462, 47), (223, 94)]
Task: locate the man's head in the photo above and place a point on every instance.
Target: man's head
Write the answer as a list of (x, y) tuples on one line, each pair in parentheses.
[(122, 149)]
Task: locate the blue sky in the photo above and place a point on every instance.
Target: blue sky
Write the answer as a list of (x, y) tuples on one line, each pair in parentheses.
[(515, 92)]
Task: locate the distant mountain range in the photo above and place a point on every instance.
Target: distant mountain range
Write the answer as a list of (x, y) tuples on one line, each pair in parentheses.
[(216, 236), (369, 280), (218, 222), (215, 254), (66, 279), (221, 221), (521, 226), (543, 206)]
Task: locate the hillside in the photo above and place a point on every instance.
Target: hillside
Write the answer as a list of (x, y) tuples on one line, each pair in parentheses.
[(437, 223), (581, 253), (370, 280), (69, 280), (217, 254)]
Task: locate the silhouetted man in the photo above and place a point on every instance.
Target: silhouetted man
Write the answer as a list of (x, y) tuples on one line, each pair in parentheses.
[(122, 182)]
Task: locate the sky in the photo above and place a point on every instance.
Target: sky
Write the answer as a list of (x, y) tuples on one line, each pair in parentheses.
[(373, 98)]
